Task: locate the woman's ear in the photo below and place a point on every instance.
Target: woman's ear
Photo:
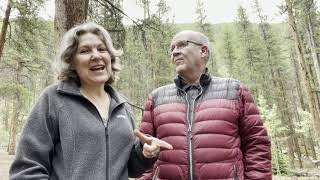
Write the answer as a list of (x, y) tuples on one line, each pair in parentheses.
[(72, 66)]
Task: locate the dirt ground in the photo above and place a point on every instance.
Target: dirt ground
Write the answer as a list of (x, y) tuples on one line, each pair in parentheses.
[(5, 161), (294, 178)]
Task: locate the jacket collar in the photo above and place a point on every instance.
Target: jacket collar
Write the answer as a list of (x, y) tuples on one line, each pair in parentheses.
[(204, 81), (71, 87)]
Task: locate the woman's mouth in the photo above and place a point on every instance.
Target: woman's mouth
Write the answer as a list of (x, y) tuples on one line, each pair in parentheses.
[(97, 67)]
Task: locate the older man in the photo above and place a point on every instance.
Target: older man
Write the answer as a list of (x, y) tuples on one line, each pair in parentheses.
[(213, 123)]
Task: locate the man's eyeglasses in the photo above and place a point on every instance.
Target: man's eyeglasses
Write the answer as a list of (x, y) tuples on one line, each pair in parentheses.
[(180, 45)]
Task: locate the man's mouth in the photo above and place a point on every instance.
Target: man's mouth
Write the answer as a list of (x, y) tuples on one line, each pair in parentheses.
[(176, 61)]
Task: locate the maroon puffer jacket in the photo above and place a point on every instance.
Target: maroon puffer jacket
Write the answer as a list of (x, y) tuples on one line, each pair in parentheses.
[(227, 139)]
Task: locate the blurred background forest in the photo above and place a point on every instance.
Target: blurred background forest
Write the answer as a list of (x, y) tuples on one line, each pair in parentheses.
[(279, 62)]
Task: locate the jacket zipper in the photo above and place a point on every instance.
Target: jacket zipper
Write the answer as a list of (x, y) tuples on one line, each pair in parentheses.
[(156, 173), (106, 134), (235, 172), (105, 127), (190, 123), (189, 139), (190, 132)]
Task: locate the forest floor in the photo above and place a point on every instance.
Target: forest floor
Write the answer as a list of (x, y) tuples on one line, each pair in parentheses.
[(311, 173), (5, 161), (294, 178)]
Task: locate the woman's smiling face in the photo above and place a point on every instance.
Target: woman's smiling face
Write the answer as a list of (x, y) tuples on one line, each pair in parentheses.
[(92, 60)]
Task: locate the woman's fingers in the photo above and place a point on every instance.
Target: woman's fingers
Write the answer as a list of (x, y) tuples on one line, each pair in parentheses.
[(150, 150), (151, 140), (142, 137), (151, 145), (161, 143)]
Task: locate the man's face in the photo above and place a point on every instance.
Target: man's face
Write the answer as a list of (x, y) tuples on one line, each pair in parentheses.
[(187, 54)]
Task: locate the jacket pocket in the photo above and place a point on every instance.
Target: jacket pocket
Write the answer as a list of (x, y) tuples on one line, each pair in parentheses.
[(168, 171)]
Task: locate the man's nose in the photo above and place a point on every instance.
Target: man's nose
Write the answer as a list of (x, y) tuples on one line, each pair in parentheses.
[(176, 51)]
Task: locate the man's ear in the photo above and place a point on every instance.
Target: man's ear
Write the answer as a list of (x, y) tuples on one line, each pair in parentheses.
[(204, 51)]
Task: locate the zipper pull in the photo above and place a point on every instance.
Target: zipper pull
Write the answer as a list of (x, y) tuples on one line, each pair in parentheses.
[(190, 132)]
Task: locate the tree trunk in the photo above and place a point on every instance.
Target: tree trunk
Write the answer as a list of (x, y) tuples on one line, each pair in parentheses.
[(312, 145), (298, 80), (146, 9), (305, 146), (6, 114), (297, 117), (291, 151), (304, 70), (277, 155), (281, 99), (286, 117), (5, 23), (312, 42), (297, 149), (16, 110), (284, 113), (13, 129), (68, 13)]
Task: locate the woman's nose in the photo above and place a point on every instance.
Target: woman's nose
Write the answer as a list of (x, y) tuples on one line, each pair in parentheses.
[(95, 55)]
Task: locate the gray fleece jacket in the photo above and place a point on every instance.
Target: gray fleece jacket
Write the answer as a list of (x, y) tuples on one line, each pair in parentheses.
[(64, 139)]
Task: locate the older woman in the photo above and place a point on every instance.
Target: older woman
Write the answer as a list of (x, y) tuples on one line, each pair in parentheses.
[(82, 128)]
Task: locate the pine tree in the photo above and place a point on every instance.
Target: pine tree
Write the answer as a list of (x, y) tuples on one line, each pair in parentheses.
[(275, 68), (251, 57), (206, 28)]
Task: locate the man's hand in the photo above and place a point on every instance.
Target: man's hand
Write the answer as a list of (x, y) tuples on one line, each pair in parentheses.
[(151, 145)]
